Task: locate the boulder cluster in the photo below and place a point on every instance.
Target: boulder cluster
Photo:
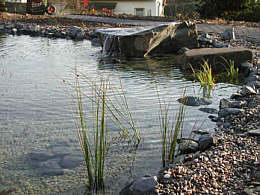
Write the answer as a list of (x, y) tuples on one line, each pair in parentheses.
[(34, 30)]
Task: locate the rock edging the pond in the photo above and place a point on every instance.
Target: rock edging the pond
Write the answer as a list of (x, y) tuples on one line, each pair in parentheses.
[(74, 32), (225, 162)]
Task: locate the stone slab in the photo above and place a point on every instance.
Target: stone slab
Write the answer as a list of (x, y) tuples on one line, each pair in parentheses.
[(215, 57)]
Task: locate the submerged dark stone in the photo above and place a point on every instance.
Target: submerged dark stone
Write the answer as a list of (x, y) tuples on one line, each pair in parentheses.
[(71, 161), (141, 186), (209, 110), (40, 155)]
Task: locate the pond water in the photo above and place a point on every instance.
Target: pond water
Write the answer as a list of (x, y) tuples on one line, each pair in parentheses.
[(36, 111)]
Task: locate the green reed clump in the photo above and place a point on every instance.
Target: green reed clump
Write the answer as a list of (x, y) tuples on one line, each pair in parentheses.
[(205, 77), (170, 130), (94, 162), (92, 130), (231, 71)]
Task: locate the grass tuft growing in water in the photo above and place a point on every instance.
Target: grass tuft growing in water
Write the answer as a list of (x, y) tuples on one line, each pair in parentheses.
[(231, 71), (205, 77), (170, 130), (94, 111)]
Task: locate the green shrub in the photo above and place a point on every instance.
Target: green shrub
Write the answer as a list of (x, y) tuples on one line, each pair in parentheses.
[(229, 9)]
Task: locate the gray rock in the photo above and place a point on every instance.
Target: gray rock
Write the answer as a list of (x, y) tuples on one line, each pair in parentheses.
[(225, 103), (254, 84), (219, 45), (235, 96), (194, 101), (228, 34), (255, 132), (141, 186), (247, 90), (188, 146), (204, 34), (245, 67), (229, 111), (200, 132), (183, 50), (80, 36), (213, 118), (205, 142), (34, 32), (73, 32), (71, 161), (95, 42), (205, 41), (209, 110), (252, 77), (256, 72), (223, 124), (179, 159)]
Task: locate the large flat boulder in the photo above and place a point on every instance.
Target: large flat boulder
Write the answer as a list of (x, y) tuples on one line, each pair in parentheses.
[(215, 57), (141, 41)]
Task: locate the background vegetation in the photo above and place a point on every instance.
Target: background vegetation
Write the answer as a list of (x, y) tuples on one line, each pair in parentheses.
[(247, 10)]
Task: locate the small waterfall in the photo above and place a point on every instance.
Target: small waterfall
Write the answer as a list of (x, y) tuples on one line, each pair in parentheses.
[(110, 45)]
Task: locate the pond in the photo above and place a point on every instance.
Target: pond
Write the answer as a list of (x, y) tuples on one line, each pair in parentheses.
[(36, 112)]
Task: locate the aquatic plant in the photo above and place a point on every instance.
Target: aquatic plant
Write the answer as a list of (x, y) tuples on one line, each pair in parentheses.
[(170, 130), (205, 77), (231, 72), (103, 107)]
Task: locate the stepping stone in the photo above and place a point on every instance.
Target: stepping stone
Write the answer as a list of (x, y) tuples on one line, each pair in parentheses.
[(214, 56)]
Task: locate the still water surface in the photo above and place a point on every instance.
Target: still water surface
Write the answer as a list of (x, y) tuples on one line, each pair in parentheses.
[(36, 109)]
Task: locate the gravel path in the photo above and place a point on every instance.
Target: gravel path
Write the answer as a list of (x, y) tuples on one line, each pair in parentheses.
[(248, 33)]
